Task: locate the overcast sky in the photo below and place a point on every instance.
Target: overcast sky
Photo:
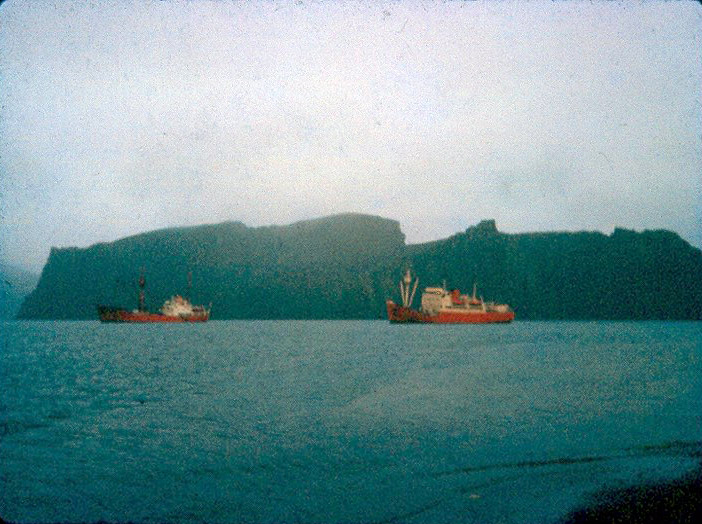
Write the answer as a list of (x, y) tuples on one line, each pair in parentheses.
[(123, 117)]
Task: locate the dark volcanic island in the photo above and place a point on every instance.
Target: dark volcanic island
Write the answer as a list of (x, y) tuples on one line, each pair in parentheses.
[(346, 266)]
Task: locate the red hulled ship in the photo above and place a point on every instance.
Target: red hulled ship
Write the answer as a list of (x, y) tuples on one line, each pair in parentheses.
[(440, 306), (176, 309)]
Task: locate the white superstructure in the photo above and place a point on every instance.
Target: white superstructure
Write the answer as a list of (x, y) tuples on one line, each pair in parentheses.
[(437, 300), (178, 306)]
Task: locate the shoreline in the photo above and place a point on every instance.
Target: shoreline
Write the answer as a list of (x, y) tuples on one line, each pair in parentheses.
[(678, 501)]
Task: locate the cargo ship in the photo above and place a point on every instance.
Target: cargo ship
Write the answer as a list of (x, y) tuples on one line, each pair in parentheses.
[(441, 306), (176, 309)]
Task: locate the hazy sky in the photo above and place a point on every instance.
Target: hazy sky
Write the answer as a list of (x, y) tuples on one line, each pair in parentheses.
[(123, 117)]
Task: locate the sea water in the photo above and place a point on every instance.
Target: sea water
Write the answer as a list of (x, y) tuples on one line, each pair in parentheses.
[(340, 421)]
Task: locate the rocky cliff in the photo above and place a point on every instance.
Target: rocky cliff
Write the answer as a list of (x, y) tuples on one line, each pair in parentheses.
[(345, 266)]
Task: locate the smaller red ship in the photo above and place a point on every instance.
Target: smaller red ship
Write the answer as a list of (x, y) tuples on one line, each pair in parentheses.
[(440, 306), (176, 309)]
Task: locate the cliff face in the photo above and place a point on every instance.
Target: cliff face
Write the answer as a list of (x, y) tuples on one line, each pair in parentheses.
[(626, 275), (345, 266), (335, 267)]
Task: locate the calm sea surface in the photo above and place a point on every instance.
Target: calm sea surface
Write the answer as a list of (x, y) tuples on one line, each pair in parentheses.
[(357, 421)]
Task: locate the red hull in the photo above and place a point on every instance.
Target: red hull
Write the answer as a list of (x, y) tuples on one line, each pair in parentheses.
[(108, 314), (403, 315)]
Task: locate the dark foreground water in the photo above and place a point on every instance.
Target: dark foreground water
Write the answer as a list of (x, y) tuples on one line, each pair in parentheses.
[(362, 421)]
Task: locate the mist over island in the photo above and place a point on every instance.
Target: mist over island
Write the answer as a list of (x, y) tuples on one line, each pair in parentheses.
[(545, 117), (345, 267), (15, 284), (122, 117)]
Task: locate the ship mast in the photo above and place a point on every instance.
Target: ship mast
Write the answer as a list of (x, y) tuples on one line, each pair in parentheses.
[(414, 289), (142, 285), (407, 298)]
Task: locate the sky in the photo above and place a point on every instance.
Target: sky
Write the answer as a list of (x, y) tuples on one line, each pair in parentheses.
[(122, 117)]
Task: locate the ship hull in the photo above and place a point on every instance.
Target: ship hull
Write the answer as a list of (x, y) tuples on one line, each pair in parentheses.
[(111, 314), (402, 315)]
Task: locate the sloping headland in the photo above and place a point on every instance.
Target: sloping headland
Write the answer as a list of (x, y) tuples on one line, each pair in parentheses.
[(345, 266), (15, 284)]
